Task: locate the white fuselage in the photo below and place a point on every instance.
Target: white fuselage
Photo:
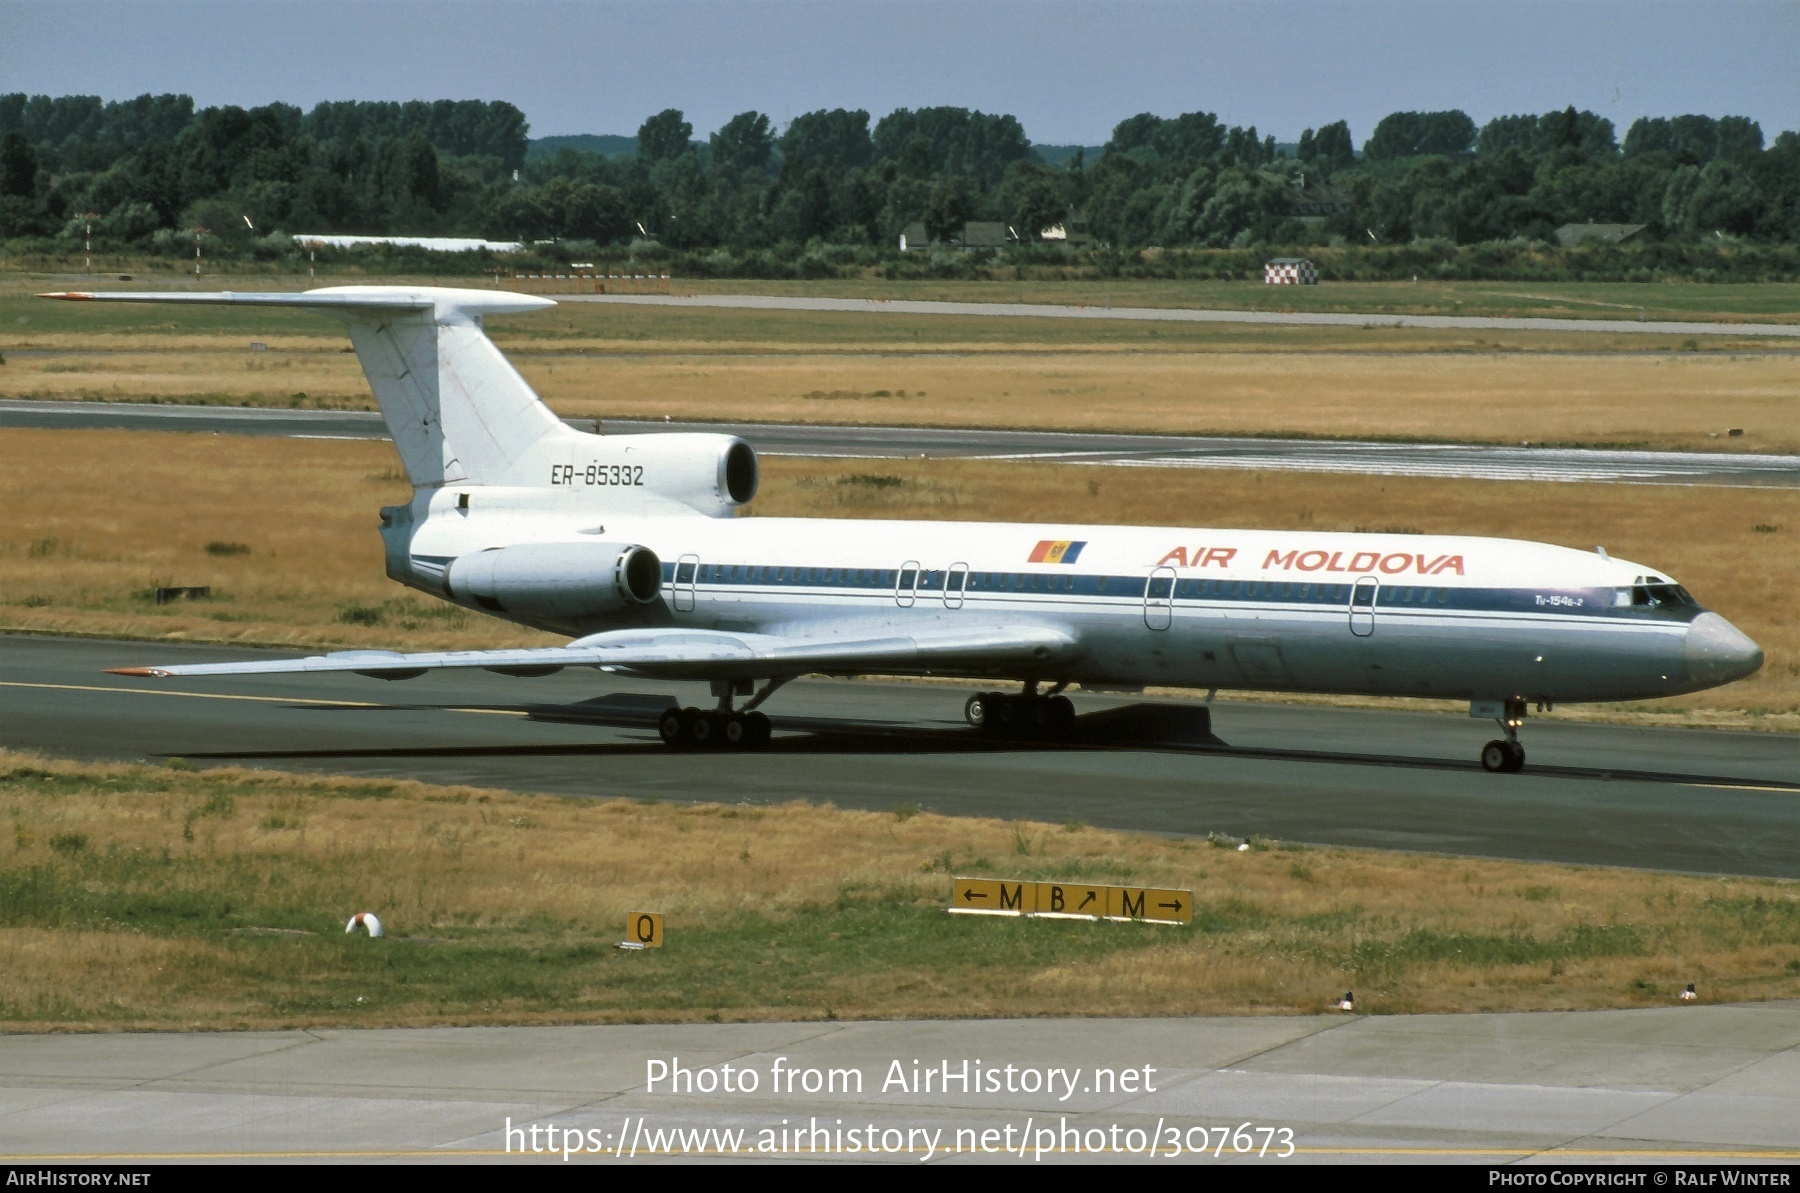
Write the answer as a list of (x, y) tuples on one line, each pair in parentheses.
[(1376, 614)]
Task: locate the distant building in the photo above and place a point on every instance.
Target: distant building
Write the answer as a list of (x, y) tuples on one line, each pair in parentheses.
[(433, 244), (983, 234), (976, 235), (1290, 271), (1071, 233), (1573, 234)]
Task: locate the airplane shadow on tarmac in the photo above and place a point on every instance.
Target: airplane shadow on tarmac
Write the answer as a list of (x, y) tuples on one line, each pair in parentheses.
[(1138, 727)]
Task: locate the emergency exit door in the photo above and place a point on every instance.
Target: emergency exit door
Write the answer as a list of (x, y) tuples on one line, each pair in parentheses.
[(1362, 606)]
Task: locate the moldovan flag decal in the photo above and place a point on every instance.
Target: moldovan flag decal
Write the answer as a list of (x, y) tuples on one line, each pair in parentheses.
[(1056, 551)]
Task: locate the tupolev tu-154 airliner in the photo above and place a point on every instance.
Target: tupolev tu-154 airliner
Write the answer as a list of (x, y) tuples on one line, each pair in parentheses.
[(628, 545)]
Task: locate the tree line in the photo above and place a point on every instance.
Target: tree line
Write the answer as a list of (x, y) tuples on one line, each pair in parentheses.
[(144, 173)]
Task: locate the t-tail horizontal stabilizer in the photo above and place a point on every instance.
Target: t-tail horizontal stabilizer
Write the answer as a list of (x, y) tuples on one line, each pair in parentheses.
[(458, 411)]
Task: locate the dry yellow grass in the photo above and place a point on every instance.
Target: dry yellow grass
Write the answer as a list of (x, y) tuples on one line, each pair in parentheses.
[(97, 517), (200, 372), (1675, 400), (145, 897), (1662, 400)]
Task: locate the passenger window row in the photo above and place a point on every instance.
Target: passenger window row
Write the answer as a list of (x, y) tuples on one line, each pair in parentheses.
[(721, 573), (1022, 581), (1047, 582), (1405, 594), (1277, 590), (1284, 590)]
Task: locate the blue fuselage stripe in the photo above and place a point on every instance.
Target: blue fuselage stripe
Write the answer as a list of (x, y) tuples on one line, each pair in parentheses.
[(1060, 586)]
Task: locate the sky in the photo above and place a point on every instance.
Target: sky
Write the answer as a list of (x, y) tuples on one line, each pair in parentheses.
[(1068, 69)]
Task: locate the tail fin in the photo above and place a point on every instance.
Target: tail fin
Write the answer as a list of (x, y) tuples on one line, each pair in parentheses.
[(457, 409)]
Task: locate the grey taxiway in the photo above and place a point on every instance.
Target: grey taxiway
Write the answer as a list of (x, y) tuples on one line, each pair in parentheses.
[(1692, 800), (1475, 461)]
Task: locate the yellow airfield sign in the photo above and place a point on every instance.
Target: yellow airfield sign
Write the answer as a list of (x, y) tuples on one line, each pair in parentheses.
[(997, 896), (1070, 900), (1083, 899), (644, 929), (1149, 903)]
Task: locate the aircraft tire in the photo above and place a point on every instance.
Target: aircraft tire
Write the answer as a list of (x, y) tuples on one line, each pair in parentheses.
[(760, 729), (1006, 715), (1497, 758), (670, 727), (978, 711), (1515, 758), (702, 729), (1060, 712), (735, 731)]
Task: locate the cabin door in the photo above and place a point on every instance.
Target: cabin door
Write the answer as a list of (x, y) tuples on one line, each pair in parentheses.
[(1362, 606), (685, 569), (1159, 598), (906, 584), (955, 580)]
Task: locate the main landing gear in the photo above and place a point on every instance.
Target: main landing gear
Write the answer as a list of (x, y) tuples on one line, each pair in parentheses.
[(1506, 756), (1027, 716), (723, 727), (703, 728)]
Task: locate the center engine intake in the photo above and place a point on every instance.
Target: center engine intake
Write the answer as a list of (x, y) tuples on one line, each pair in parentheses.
[(711, 474)]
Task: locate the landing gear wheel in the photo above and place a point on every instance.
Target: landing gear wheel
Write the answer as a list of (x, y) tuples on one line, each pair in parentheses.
[(672, 727), (1021, 717), (979, 711), (1006, 715), (1506, 755), (703, 730), (759, 727), (1503, 757), (736, 731)]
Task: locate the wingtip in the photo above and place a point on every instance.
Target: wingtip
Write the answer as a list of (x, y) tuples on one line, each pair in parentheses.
[(139, 672), (70, 295)]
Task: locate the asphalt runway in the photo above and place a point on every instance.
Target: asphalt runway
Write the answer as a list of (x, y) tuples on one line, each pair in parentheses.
[(1683, 800), (1023, 310), (1066, 447), (1709, 1084), (215, 420)]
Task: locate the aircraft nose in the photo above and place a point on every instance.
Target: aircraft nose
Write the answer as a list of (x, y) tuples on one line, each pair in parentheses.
[(1718, 652)]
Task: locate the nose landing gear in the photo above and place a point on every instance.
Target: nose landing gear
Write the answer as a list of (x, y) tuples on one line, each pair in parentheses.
[(1503, 756), (1506, 756)]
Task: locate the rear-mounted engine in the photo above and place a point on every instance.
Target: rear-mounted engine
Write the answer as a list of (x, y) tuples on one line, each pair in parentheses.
[(558, 580)]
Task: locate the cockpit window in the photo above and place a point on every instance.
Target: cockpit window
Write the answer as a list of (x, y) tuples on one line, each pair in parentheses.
[(1661, 595)]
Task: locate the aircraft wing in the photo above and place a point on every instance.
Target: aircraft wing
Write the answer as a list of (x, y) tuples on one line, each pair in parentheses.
[(692, 654), (350, 301), (326, 300)]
